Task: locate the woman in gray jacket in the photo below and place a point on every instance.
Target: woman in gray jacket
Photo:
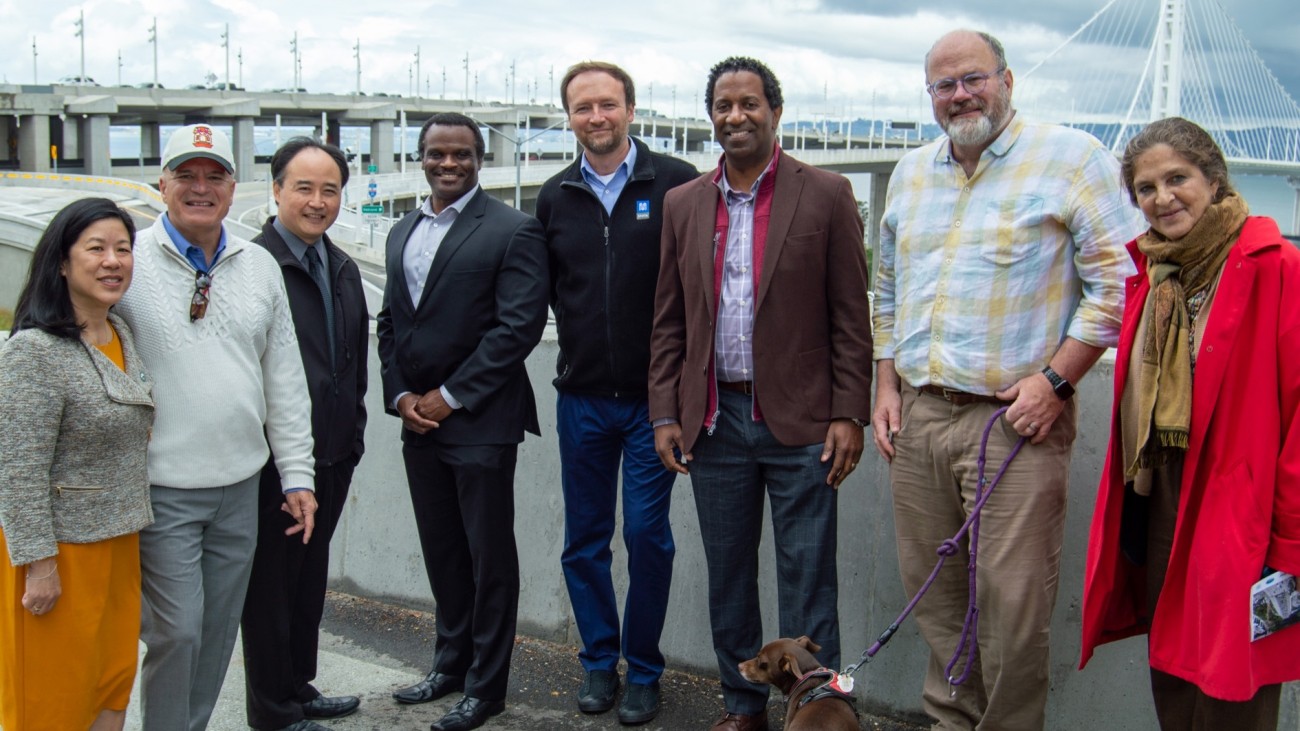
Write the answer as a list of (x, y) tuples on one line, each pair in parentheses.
[(75, 415)]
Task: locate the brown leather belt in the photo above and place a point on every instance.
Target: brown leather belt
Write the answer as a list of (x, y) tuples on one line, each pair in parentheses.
[(745, 387), (960, 398)]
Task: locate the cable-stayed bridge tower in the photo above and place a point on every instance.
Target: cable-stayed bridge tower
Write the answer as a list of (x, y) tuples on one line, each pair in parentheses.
[(1166, 98), (1136, 61)]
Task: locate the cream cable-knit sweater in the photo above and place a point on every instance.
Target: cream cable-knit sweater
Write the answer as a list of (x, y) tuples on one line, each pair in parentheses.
[(219, 381)]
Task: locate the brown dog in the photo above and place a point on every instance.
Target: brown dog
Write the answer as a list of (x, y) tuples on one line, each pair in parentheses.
[(784, 664)]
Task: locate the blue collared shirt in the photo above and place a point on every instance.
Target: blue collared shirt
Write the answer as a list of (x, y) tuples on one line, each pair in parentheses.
[(609, 187), (193, 254)]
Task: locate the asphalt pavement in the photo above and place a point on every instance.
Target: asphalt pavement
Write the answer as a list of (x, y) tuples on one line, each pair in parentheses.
[(369, 649)]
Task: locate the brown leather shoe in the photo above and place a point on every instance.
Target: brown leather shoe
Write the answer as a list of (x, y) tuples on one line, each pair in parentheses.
[(741, 722)]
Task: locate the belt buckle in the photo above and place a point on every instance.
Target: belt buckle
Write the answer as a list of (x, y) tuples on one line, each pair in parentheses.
[(951, 395)]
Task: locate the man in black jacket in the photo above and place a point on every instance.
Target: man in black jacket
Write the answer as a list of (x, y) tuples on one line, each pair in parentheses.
[(286, 592), (602, 217)]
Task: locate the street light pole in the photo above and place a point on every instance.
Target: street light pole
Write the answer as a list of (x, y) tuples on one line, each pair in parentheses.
[(518, 143), (357, 52), (33, 59), (654, 121), (225, 43), (467, 97), (673, 145), (119, 67), (293, 49), (417, 71), (81, 33), (153, 38)]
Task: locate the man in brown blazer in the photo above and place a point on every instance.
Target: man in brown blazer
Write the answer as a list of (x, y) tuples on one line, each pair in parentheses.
[(760, 371)]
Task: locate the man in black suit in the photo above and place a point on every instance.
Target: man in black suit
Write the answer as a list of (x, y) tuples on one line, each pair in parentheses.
[(465, 304), (286, 591)]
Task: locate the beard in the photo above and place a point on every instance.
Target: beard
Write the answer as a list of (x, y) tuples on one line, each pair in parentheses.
[(597, 146), (981, 130)]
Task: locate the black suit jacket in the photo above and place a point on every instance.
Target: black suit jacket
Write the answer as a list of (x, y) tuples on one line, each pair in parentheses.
[(338, 396), (481, 313)]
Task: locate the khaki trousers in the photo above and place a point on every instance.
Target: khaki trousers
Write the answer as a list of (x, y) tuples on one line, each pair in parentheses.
[(934, 476)]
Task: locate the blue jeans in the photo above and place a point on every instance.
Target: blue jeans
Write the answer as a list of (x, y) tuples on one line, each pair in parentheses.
[(595, 433), (730, 471)]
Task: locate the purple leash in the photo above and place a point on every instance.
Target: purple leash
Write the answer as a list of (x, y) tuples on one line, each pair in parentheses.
[(968, 644)]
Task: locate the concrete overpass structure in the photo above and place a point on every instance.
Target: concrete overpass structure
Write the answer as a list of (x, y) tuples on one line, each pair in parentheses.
[(76, 119)]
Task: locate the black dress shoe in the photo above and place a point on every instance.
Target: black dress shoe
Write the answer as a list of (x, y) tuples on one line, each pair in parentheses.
[(468, 713), (597, 692), (640, 704), (434, 686), (305, 725), (325, 707)]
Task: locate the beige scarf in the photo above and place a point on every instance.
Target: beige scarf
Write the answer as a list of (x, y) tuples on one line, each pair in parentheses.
[(1177, 271)]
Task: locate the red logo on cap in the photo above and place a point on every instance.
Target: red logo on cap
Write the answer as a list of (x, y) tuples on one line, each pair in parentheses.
[(203, 137)]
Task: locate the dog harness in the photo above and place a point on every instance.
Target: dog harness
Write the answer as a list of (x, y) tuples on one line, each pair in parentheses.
[(834, 685)]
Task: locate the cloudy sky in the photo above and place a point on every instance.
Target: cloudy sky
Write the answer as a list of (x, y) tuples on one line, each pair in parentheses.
[(831, 55)]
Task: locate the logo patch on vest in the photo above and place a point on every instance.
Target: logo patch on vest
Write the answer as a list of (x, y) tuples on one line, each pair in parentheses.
[(642, 210)]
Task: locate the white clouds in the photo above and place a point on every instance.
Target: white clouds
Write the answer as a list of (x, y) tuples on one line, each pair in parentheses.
[(825, 56)]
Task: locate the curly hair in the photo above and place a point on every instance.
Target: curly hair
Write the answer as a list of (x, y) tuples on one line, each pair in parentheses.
[(1189, 141), (771, 87)]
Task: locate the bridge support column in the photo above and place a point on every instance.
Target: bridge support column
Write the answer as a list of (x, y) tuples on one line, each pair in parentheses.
[(34, 143), (242, 141), (8, 139), (150, 140), (381, 145), (502, 149), (1295, 212), (94, 147), (875, 212), (68, 139), (333, 133)]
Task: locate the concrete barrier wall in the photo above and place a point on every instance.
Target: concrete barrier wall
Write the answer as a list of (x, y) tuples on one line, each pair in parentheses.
[(18, 237), (88, 184), (376, 553)]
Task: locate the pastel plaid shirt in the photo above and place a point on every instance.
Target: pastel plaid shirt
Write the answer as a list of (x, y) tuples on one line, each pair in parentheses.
[(980, 279)]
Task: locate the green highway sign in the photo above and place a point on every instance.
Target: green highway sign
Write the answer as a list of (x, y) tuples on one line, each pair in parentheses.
[(372, 208)]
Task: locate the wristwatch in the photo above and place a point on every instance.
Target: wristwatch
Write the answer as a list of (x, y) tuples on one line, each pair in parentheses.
[(1063, 389)]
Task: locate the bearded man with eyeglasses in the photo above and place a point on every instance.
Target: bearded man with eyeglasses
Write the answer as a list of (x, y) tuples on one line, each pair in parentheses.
[(1000, 283), (214, 328)]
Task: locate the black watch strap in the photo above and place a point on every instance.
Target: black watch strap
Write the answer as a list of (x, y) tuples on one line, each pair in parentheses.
[(1063, 388)]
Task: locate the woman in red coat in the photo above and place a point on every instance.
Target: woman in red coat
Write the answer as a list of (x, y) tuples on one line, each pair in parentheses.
[(1200, 494)]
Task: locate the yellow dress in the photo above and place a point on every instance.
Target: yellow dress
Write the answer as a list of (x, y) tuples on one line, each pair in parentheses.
[(59, 670)]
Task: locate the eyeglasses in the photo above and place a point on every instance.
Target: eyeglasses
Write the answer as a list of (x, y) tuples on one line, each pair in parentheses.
[(972, 83), (199, 302)]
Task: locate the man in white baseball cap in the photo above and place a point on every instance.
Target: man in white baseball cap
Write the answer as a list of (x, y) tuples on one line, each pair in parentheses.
[(212, 322), (198, 140)]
